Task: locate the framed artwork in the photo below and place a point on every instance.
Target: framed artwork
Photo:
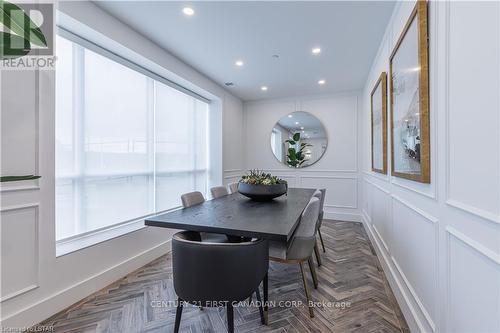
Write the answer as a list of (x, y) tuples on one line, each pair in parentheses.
[(409, 90), (378, 101)]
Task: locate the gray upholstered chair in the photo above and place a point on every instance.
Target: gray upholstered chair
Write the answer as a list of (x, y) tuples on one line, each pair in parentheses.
[(219, 191), (210, 274), (318, 194), (196, 198), (192, 198), (301, 246), (233, 187)]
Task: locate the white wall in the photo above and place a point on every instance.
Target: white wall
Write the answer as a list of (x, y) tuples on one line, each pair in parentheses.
[(35, 283), (233, 146), (337, 171), (439, 243)]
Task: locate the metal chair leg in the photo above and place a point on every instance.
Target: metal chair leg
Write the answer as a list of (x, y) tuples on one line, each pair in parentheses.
[(230, 318), (311, 310), (321, 239), (316, 253), (313, 272), (178, 314), (261, 308), (266, 299)]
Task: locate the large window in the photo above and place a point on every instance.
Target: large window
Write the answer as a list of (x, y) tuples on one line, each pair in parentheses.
[(127, 145)]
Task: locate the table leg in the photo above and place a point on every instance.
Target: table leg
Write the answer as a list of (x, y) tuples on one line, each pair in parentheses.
[(266, 299)]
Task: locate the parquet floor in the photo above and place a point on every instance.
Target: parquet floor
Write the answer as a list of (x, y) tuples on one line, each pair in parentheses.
[(353, 296)]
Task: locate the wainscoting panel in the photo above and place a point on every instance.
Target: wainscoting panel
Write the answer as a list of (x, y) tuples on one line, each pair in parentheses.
[(19, 258), (415, 254), (341, 192), (20, 142), (473, 191), (473, 288), (380, 215), (367, 202)]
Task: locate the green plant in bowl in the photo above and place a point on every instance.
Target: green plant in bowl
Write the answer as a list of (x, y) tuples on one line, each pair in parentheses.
[(256, 177)]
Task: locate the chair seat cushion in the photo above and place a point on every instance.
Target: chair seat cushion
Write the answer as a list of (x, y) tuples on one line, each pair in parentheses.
[(210, 237), (277, 249), (300, 248)]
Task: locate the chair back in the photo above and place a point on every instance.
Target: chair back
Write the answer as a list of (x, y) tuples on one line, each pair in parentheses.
[(215, 272), (192, 198), (233, 187), (320, 194), (322, 201), (219, 191), (303, 239), (317, 194)]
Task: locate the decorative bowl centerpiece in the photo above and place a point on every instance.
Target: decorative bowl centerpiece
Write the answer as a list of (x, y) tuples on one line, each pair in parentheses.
[(260, 186)]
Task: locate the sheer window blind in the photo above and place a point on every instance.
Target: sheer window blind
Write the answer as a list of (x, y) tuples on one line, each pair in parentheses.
[(127, 145)]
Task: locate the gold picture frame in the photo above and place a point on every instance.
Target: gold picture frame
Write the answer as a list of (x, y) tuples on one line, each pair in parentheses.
[(409, 93), (379, 130)]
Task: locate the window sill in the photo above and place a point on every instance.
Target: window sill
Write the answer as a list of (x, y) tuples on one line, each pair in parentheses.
[(64, 247)]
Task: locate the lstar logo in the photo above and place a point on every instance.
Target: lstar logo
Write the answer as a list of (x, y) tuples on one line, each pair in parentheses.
[(26, 29)]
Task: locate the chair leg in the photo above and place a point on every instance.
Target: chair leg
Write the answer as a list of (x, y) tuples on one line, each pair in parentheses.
[(178, 314), (266, 299), (321, 239), (311, 310), (316, 253), (261, 309), (313, 272), (230, 318)]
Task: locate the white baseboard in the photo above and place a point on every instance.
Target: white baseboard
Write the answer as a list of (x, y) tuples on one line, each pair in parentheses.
[(351, 217), (397, 286), (43, 309)]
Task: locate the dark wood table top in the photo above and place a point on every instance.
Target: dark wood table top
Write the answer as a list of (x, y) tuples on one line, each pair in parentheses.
[(237, 215)]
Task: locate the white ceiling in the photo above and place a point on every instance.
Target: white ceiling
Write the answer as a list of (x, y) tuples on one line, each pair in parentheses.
[(219, 33)]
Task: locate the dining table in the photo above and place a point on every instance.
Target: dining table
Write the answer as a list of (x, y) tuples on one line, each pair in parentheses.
[(237, 215)]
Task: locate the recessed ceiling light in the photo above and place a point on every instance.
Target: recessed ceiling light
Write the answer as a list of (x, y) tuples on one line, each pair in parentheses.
[(239, 63), (290, 116), (188, 11), (263, 88), (302, 127), (321, 82), (316, 50), (296, 123)]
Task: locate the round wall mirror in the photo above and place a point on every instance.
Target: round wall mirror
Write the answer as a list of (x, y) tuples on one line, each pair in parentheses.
[(298, 140)]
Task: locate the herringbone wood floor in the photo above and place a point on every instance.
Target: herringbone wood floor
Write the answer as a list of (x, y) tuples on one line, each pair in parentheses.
[(350, 273)]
